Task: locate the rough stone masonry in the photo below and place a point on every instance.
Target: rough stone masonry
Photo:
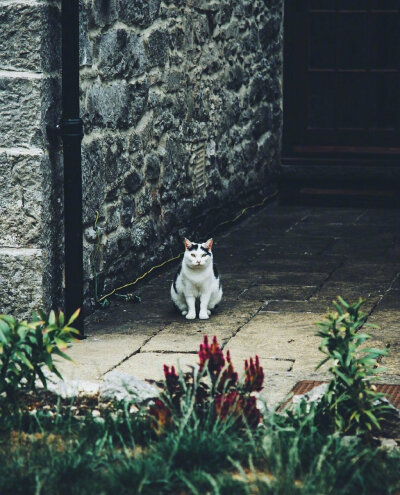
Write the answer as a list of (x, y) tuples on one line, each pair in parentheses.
[(30, 208), (181, 102)]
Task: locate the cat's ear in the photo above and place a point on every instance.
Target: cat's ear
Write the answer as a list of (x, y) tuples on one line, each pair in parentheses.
[(208, 244), (187, 243)]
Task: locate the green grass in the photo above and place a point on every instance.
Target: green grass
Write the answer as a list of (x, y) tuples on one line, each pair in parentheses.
[(121, 455)]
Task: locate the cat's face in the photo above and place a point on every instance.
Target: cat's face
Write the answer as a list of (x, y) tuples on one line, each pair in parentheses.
[(196, 254)]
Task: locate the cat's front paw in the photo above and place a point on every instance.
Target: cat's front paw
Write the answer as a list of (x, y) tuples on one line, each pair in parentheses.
[(191, 316), (204, 315), (184, 313)]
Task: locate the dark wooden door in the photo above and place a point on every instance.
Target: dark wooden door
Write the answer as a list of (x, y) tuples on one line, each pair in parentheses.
[(341, 79)]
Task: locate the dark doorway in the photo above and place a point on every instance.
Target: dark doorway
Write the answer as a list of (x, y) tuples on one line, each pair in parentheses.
[(341, 86)]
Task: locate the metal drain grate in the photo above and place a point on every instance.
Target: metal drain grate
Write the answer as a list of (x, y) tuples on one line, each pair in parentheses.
[(392, 391)]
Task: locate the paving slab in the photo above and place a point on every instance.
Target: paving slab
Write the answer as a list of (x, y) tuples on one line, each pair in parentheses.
[(293, 244), (390, 301), (264, 293), (282, 306), (287, 336), (312, 228), (149, 365), (96, 355), (310, 279), (372, 292), (361, 272), (302, 264), (186, 337)]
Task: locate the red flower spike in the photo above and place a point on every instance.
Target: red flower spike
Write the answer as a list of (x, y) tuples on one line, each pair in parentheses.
[(254, 376), (171, 379), (250, 411), (227, 404), (229, 376), (212, 355), (233, 404)]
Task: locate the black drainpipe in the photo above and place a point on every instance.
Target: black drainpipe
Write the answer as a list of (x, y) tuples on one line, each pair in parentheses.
[(71, 131)]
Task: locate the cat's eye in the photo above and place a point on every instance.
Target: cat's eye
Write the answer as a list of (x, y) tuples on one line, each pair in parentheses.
[(203, 255), (193, 255)]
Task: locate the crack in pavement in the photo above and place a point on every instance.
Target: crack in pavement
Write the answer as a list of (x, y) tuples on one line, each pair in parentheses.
[(126, 358), (161, 351), (374, 306), (321, 285), (234, 333)]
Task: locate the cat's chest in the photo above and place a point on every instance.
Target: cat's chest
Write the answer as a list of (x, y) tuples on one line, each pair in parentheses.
[(197, 281)]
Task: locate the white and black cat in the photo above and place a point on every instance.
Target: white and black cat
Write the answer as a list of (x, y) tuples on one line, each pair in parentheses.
[(197, 278)]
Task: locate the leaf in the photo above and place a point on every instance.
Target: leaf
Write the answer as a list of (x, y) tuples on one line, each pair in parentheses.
[(322, 363), (22, 332), (61, 319), (4, 326), (61, 344), (355, 415), (24, 359), (55, 371), (71, 330), (48, 360), (42, 315), (377, 352), (338, 307), (349, 381), (42, 377), (343, 302), (3, 332), (50, 328), (74, 317), (373, 419), (62, 354), (35, 316), (52, 318)]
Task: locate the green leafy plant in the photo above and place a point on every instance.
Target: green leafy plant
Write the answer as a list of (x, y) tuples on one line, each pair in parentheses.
[(26, 347), (212, 389), (351, 403)]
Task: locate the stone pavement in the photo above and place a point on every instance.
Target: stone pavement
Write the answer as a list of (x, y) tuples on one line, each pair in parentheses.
[(280, 269)]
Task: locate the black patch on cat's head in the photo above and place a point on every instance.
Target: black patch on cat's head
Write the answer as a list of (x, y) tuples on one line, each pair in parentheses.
[(193, 247), (206, 250)]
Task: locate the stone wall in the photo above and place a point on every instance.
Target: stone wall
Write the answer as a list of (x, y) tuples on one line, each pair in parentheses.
[(181, 102), (30, 275)]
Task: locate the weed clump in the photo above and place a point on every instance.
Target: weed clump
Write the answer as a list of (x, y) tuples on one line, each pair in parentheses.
[(213, 392), (27, 347), (351, 404)]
